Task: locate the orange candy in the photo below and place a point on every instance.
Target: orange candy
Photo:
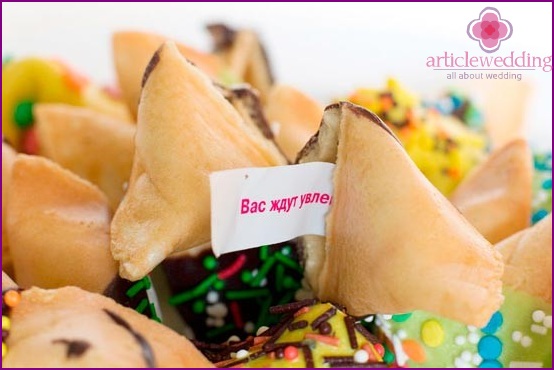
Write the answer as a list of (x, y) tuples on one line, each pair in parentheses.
[(12, 298), (414, 350)]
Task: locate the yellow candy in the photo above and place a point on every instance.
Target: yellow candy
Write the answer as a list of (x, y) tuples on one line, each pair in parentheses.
[(46, 81), (6, 323), (432, 333), (4, 350)]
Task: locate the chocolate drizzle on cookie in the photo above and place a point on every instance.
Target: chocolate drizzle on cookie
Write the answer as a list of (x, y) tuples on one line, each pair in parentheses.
[(147, 352)]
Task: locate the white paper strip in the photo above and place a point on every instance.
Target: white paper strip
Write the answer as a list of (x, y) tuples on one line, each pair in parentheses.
[(252, 207)]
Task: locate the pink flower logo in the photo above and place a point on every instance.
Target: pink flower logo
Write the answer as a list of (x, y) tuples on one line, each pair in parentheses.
[(490, 30)]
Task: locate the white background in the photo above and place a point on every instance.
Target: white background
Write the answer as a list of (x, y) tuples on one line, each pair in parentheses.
[(325, 49)]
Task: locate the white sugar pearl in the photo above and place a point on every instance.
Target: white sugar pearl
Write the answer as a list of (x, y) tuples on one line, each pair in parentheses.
[(466, 356), (241, 354), (471, 328), (476, 359), (538, 316), (547, 322), (261, 330), (473, 338), (460, 340), (387, 317), (526, 341), (263, 282), (249, 327), (218, 323), (233, 338), (369, 318), (402, 334), (516, 336), (459, 363), (361, 357), (218, 310), (212, 297)]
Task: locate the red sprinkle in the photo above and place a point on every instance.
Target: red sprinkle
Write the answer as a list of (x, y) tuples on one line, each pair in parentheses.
[(370, 351), (291, 353), (235, 311), (302, 311), (380, 349), (29, 142), (233, 269), (327, 339)]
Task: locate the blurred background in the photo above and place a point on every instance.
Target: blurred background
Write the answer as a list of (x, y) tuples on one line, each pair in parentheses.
[(327, 50)]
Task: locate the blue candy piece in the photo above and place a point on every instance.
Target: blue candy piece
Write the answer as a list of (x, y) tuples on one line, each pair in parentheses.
[(490, 364), (494, 323), (489, 347)]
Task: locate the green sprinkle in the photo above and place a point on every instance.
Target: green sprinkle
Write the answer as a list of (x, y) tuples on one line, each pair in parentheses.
[(142, 305), (288, 261), (279, 276), (264, 310), (388, 357), (23, 114), (246, 276), (290, 283), (401, 317), (210, 263), (220, 284), (287, 298), (246, 294), (216, 332), (186, 296), (264, 252), (137, 287), (263, 271), (154, 314), (198, 306)]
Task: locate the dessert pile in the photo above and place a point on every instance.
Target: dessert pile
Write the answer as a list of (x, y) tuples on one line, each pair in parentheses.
[(437, 247)]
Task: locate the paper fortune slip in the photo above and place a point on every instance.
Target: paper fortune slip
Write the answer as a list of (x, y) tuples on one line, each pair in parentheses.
[(252, 207)]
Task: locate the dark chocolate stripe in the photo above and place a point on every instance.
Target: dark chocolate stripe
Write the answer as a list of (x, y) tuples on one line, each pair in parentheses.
[(308, 357), (324, 317), (278, 333), (270, 347), (74, 348), (367, 335), (298, 325), (290, 307), (349, 323), (339, 360), (146, 349)]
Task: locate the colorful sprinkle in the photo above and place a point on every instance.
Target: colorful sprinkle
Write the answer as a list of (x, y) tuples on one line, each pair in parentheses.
[(489, 347), (233, 269), (241, 354), (12, 298), (6, 323), (23, 114), (326, 339), (414, 350), (210, 263), (380, 349), (361, 357), (291, 353), (490, 364), (494, 323), (538, 316), (432, 333), (401, 317)]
